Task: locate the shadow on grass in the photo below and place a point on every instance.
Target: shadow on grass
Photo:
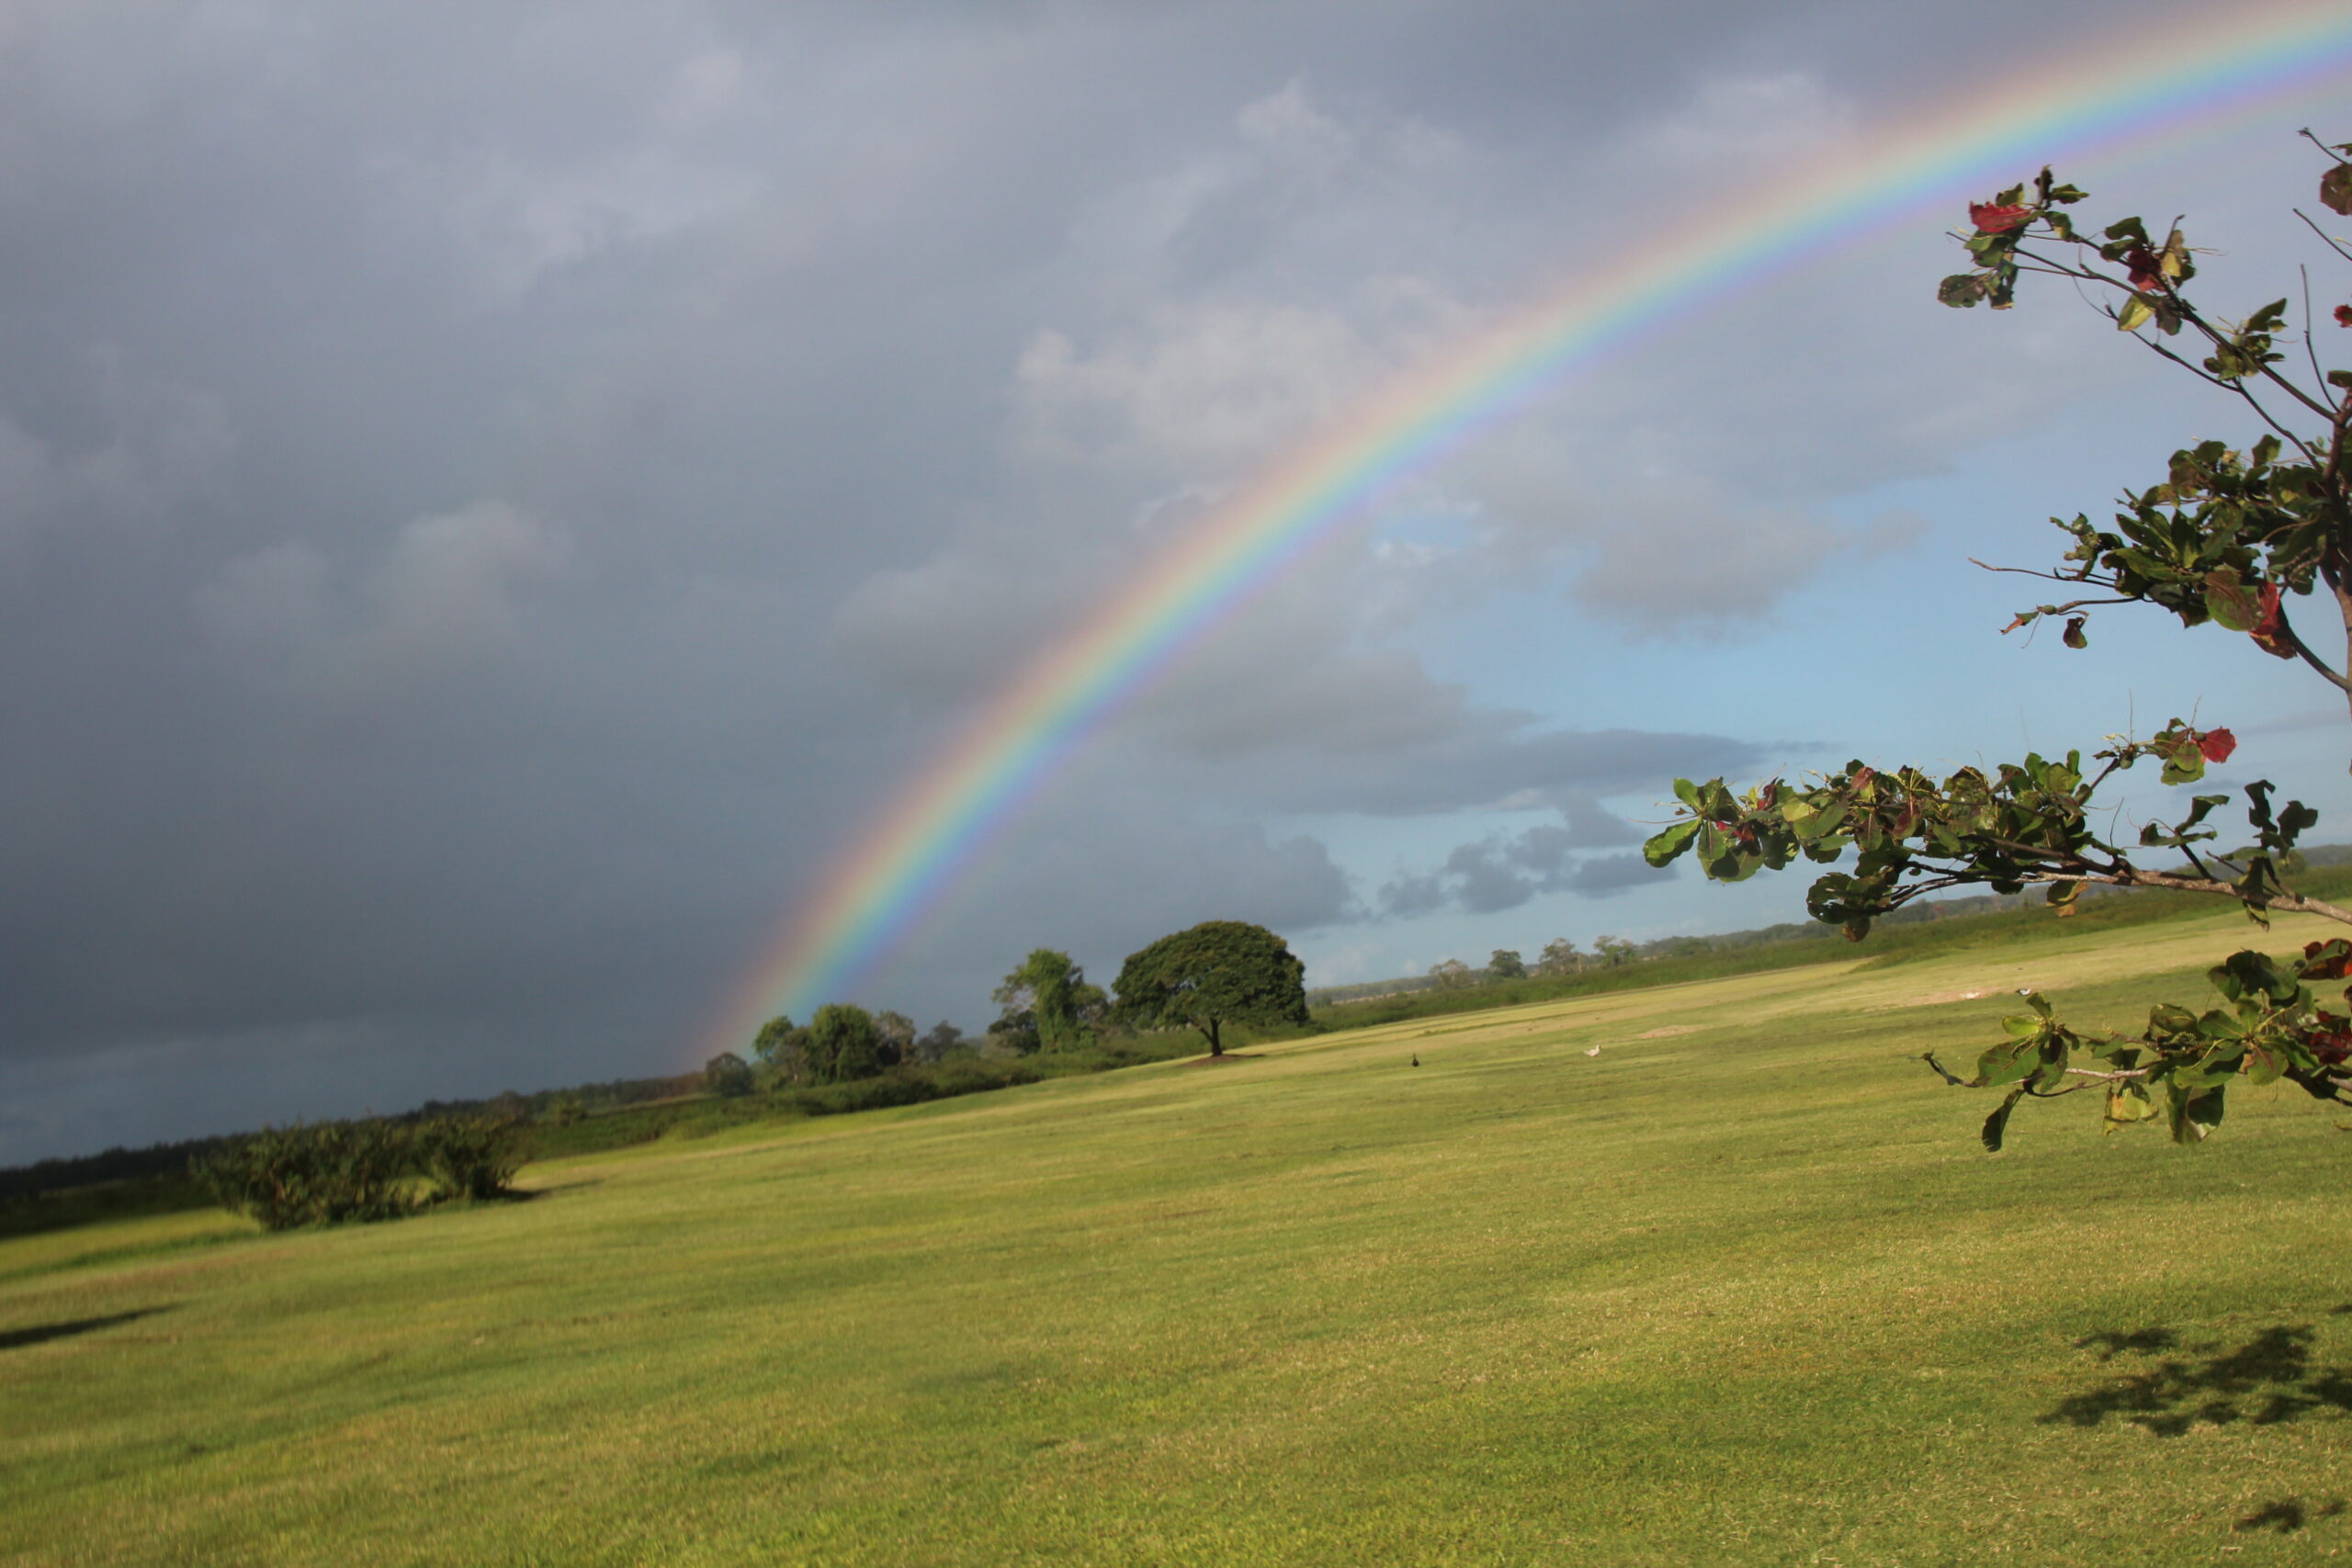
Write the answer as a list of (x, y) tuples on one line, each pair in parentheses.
[(41, 1333), (2269, 1378), (2288, 1514), (525, 1194)]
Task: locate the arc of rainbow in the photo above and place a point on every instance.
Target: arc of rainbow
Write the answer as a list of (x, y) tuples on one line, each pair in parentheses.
[(935, 827)]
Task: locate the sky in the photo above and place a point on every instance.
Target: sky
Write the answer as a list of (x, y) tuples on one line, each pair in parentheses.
[(494, 501)]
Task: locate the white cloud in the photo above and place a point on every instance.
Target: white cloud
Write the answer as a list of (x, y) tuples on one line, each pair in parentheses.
[(1680, 556), (1203, 391), (1734, 120)]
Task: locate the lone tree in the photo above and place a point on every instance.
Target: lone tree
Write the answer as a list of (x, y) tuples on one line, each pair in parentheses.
[(1506, 965), (2226, 538), (843, 1043), (1219, 971)]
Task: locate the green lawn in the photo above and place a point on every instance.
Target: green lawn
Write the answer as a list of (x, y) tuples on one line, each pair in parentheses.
[(1740, 1289)]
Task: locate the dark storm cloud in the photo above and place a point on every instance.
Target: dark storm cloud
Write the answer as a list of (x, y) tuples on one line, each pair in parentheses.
[(490, 499)]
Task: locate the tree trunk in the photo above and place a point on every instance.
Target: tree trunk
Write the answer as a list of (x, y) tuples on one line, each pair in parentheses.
[(1216, 1046)]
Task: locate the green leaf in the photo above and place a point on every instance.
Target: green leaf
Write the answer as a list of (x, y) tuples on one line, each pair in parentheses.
[(2136, 313), (2005, 1064), (2195, 1111), (1996, 1125), (2127, 1102), (1963, 290), (2263, 1066), (2231, 601), (1664, 847)]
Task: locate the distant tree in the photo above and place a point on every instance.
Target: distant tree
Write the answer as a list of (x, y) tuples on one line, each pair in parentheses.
[(565, 1111), (1219, 971), (944, 1037), (727, 1075), (1560, 957), (1614, 952), (842, 1044), (1015, 1031), (898, 1032), (1506, 965), (1453, 974), (1054, 993), (777, 1047)]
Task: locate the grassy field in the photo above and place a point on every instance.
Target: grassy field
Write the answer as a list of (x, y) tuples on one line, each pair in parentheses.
[(1741, 1287)]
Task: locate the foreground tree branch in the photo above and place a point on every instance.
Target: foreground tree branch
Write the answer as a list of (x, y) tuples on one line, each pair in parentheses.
[(2227, 537)]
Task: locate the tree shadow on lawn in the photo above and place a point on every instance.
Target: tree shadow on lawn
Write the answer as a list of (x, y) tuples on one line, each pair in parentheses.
[(2269, 1378), (41, 1333), (2288, 1514)]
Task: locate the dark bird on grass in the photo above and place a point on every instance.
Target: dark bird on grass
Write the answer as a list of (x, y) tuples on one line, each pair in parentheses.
[(1417, 1058)]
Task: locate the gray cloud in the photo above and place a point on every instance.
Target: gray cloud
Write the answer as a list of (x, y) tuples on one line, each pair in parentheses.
[(1502, 871)]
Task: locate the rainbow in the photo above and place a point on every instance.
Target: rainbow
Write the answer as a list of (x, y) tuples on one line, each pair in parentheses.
[(934, 830)]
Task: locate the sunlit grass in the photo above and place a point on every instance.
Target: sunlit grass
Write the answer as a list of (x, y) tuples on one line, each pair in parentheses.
[(1740, 1288)]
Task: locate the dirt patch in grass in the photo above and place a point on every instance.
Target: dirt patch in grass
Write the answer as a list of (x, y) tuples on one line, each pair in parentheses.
[(1667, 1032)]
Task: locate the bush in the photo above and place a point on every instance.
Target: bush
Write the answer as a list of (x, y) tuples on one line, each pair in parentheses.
[(466, 1156), (328, 1172), (727, 1075), (318, 1174)]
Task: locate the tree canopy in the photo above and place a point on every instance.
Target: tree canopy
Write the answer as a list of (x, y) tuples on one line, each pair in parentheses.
[(2231, 538), (843, 1043), (1049, 1003), (1217, 973)]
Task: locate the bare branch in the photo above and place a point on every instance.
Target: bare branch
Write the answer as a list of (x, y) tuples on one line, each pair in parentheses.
[(2324, 237)]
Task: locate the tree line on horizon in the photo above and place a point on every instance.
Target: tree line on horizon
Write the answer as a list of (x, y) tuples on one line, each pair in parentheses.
[(1202, 979)]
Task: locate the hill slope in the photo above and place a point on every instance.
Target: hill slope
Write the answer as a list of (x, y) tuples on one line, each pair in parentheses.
[(1739, 1288)]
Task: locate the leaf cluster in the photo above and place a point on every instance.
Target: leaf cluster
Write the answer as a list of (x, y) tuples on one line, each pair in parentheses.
[(2014, 825), (2227, 536), (2179, 1068)]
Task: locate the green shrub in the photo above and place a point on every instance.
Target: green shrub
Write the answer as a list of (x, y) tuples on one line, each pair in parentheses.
[(727, 1075), (466, 1156), (327, 1172), (318, 1174)]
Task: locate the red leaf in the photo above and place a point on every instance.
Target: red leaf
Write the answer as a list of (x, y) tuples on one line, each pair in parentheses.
[(2269, 632), (2217, 745), (2147, 273), (2344, 315), (1990, 220)]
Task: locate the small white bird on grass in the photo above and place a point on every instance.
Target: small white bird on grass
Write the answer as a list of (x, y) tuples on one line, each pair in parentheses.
[(1594, 1052)]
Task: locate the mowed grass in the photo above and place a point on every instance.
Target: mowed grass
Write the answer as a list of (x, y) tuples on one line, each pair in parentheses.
[(1742, 1288)]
